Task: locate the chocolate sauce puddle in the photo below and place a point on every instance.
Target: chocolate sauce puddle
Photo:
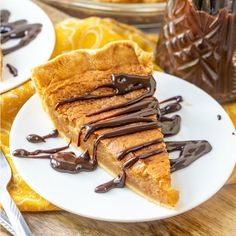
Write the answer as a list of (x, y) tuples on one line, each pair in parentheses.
[(34, 138), (170, 126), (17, 30), (190, 151), (68, 162)]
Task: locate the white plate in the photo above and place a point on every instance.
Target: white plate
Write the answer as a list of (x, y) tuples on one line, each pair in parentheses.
[(75, 193), (36, 52)]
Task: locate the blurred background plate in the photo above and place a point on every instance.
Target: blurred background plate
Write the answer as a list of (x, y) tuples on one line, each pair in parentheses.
[(36, 52), (142, 15)]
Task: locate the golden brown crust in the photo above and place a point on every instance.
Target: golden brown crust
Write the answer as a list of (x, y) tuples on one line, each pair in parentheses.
[(79, 72)]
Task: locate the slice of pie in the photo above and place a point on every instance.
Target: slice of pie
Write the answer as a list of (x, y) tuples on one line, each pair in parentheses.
[(78, 73)]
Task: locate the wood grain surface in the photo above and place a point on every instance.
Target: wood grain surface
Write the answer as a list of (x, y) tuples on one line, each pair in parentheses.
[(216, 217)]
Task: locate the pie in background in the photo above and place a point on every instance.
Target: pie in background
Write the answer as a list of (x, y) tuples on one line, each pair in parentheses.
[(130, 1)]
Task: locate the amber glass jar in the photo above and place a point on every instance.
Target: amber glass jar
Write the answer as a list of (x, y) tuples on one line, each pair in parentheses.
[(198, 43)]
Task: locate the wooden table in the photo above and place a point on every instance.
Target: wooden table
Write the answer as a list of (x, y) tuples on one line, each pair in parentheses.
[(215, 217)]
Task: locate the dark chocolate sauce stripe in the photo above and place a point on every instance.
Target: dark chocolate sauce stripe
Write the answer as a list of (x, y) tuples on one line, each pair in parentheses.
[(25, 153), (140, 116), (122, 84), (150, 91), (37, 156), (124, 131), (189, 152), (152, 153), (170, 108), (147, 103), (118, 182), (175, 98), (34, 138), (122, 154), (129, 163), (170, 126)]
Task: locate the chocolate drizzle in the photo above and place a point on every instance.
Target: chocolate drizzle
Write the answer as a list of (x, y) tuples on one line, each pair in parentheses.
[(34, 138), (12, 69), (118, 182), (17, 30), (33, 154), (138, 147), (124, 131), (127, 84), (170, 126), (121, 84), (176, 99), (190, 151), (138, 114), (171, 107), (68, 162), (147, 103)]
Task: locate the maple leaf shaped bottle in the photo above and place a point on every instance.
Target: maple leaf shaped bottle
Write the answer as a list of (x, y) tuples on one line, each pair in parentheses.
[(198, 43)]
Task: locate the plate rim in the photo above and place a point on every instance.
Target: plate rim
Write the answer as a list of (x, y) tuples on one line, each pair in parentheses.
[(108, 6), (50, 24)]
